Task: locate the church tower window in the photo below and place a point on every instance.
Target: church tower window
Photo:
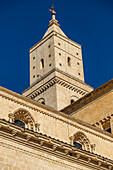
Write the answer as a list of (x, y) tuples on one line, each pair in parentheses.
[(69, 61), (41, 63)]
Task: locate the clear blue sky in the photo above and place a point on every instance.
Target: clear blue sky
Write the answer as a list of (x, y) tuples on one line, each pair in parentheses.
[(24, 22)]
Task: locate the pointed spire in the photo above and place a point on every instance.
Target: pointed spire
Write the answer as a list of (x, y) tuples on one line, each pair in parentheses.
[(53, 21)]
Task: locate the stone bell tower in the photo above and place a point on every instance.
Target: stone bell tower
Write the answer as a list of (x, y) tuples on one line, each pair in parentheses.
[(56, 69)]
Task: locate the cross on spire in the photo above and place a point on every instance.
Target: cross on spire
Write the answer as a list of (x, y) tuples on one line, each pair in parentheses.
[(53, 11)]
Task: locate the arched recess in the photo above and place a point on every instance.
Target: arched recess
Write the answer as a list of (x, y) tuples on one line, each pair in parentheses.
[(41, 100), (81, 138), (73, 99), (23, 116)]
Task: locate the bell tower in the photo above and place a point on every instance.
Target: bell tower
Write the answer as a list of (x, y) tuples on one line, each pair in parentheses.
[(56, 69)]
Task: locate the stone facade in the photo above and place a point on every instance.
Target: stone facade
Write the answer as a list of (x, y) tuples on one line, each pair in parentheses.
[(38, 150), (35, 135), (95, 108)]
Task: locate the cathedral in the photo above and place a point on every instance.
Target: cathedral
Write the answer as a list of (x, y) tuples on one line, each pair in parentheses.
[(59, 122)]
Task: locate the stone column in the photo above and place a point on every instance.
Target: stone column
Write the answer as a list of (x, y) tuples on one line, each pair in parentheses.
[(11, 118)]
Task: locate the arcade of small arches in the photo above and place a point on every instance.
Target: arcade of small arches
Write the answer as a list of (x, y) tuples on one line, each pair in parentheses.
[(23, 118), (105, 124)]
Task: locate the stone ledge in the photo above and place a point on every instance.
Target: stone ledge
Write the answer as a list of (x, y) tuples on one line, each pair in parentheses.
[(88, 98), (53, 146)]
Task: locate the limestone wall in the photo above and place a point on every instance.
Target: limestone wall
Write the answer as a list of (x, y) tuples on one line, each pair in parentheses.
[(98, 110), (16, 156), (56, 124), (44, 51), (67, 48)]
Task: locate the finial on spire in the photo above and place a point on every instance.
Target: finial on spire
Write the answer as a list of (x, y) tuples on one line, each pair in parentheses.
[(53, 21), (53, 12)]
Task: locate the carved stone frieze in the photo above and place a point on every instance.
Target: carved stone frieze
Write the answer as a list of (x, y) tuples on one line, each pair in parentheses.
[(53, 82)]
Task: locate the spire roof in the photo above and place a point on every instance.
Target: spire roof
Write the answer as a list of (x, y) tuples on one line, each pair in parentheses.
[(54, 26)]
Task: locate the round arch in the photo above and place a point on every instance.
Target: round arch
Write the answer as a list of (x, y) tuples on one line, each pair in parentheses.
[(82, 139), (73, 99), (24, 116), (41, 100)]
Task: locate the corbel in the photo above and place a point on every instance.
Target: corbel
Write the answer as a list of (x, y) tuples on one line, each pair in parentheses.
[(99, 163), (66, 151), (89, 160), (14, 132), (54, 147), (41, 142), (78, 155), (28, 137)]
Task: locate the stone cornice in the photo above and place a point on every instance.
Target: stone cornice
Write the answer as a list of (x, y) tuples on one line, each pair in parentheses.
[(62, 72), (50, 145), (53, 81), (55, 114), (105, 88), (44, 39)]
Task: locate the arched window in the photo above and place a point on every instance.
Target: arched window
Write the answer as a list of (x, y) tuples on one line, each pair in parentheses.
[(41, 100), (69, 61), (80, 141), (77, 145), (72, 101), (19, 123), (41, 63), (22, 118)]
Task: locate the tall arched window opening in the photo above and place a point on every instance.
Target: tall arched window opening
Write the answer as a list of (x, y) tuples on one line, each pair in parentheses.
[(41, 63), (69, 61)]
